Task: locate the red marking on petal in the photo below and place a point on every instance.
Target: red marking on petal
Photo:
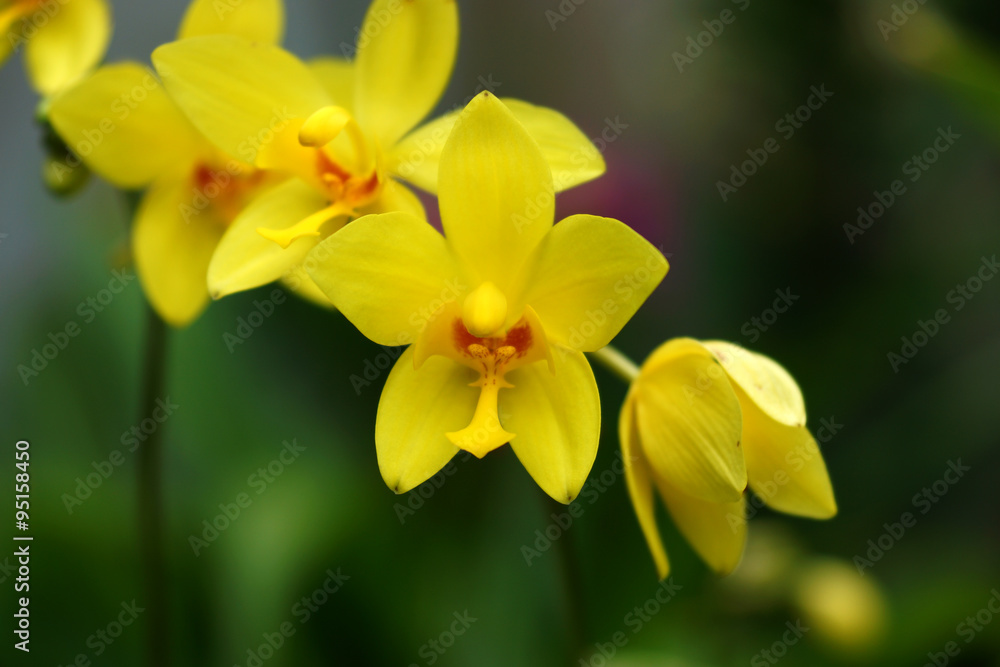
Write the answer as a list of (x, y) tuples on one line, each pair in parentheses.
[(519, 338), (227, 193), (463, 339), (202, 176)]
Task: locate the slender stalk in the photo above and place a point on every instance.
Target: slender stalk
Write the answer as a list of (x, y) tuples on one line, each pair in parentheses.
[(150, 497), (628, 371), (575, 609), (617, 363)]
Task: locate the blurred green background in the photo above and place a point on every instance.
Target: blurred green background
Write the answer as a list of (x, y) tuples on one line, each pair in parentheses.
[(456, 548)]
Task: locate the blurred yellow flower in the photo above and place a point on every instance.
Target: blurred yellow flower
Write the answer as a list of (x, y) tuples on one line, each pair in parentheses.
[(700, 421), (500, 310), (342, 128), (847, 610), (123, 125), (63, 40)]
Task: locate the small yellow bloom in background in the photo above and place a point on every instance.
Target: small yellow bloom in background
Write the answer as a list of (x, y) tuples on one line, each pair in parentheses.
[(63, 40), (499, 310), (123, 125), (846, 609), (344, 130), (701, 420)]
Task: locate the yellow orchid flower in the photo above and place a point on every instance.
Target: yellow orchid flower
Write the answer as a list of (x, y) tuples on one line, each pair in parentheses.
[(701, 419), (63, 40), (123, 125), (343, 128), (499, 310)]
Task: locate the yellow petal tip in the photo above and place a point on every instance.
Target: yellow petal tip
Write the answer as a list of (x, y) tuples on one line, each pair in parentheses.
[(218, 290), (397, 484), (830, 512)]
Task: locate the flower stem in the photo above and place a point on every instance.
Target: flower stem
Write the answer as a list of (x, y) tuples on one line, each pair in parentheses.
[(150, 497), (616, 362), (575, 611)]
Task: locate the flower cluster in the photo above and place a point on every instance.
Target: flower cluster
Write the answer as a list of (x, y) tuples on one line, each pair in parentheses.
[(258, 167)]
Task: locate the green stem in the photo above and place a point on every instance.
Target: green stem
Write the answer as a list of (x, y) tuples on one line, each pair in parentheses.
[(617, 363), (572, 579), (150, 497)]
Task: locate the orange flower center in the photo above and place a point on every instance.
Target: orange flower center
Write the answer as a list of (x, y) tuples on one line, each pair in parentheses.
[(314, 156), (493, 357)]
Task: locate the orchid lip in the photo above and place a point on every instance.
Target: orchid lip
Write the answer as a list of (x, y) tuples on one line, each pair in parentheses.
[(493, 357)]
